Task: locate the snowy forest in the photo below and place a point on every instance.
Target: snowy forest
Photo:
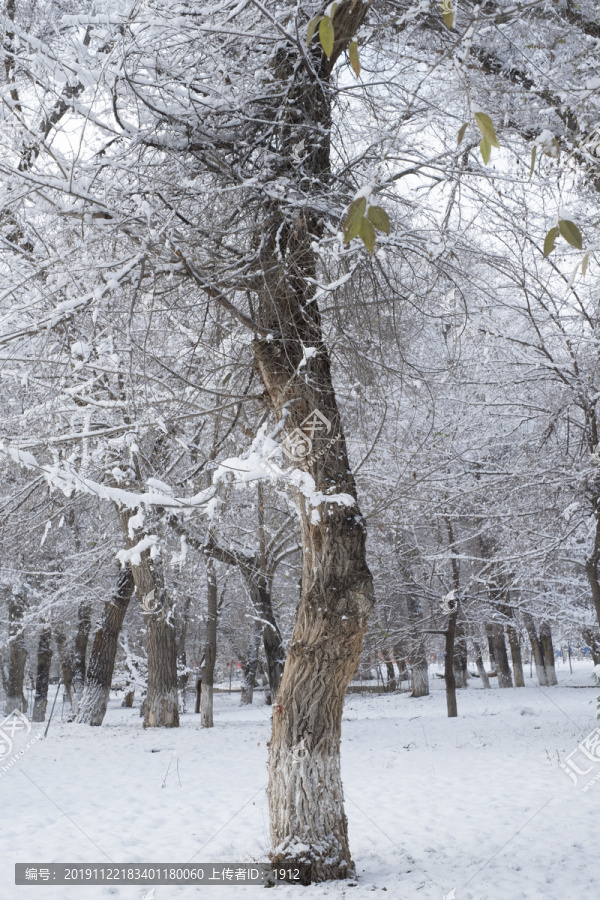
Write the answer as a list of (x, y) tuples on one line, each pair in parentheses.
[(300, 442)]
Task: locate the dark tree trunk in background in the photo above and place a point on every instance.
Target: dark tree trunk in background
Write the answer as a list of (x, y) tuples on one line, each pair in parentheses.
[(491, 651), (250, 667), (460, 657), (66, 666), (454, 625), (480, 665), (591, 564), (514, 641), (449, 666), (536, 649), (96, 690), (399, 653), (548, 650), (389, 668), (515, 652), (259, 588), (260, 585), (417, 646), (592, 639), (84, 625), (496, 633), (44, 658), (183, 675), (260, 592), (210, 647), (17, 652), (499, 595)]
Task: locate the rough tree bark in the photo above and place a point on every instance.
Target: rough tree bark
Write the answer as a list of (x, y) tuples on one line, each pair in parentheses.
[(162, 700), (44, 659), (210, 647), (96, 691)]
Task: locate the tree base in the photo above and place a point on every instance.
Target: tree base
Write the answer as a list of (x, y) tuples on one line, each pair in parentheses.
[(313, 863)]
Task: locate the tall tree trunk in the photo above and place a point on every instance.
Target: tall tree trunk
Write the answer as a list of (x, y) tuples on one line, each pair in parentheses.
[(44, 659), (17, 652), (84, 625), (536, 648), (96, 690), (496, 633), (305, 794), (210, 648), (548, 650)]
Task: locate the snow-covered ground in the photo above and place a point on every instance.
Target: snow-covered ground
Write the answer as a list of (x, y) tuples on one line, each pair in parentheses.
[(478, 804)]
